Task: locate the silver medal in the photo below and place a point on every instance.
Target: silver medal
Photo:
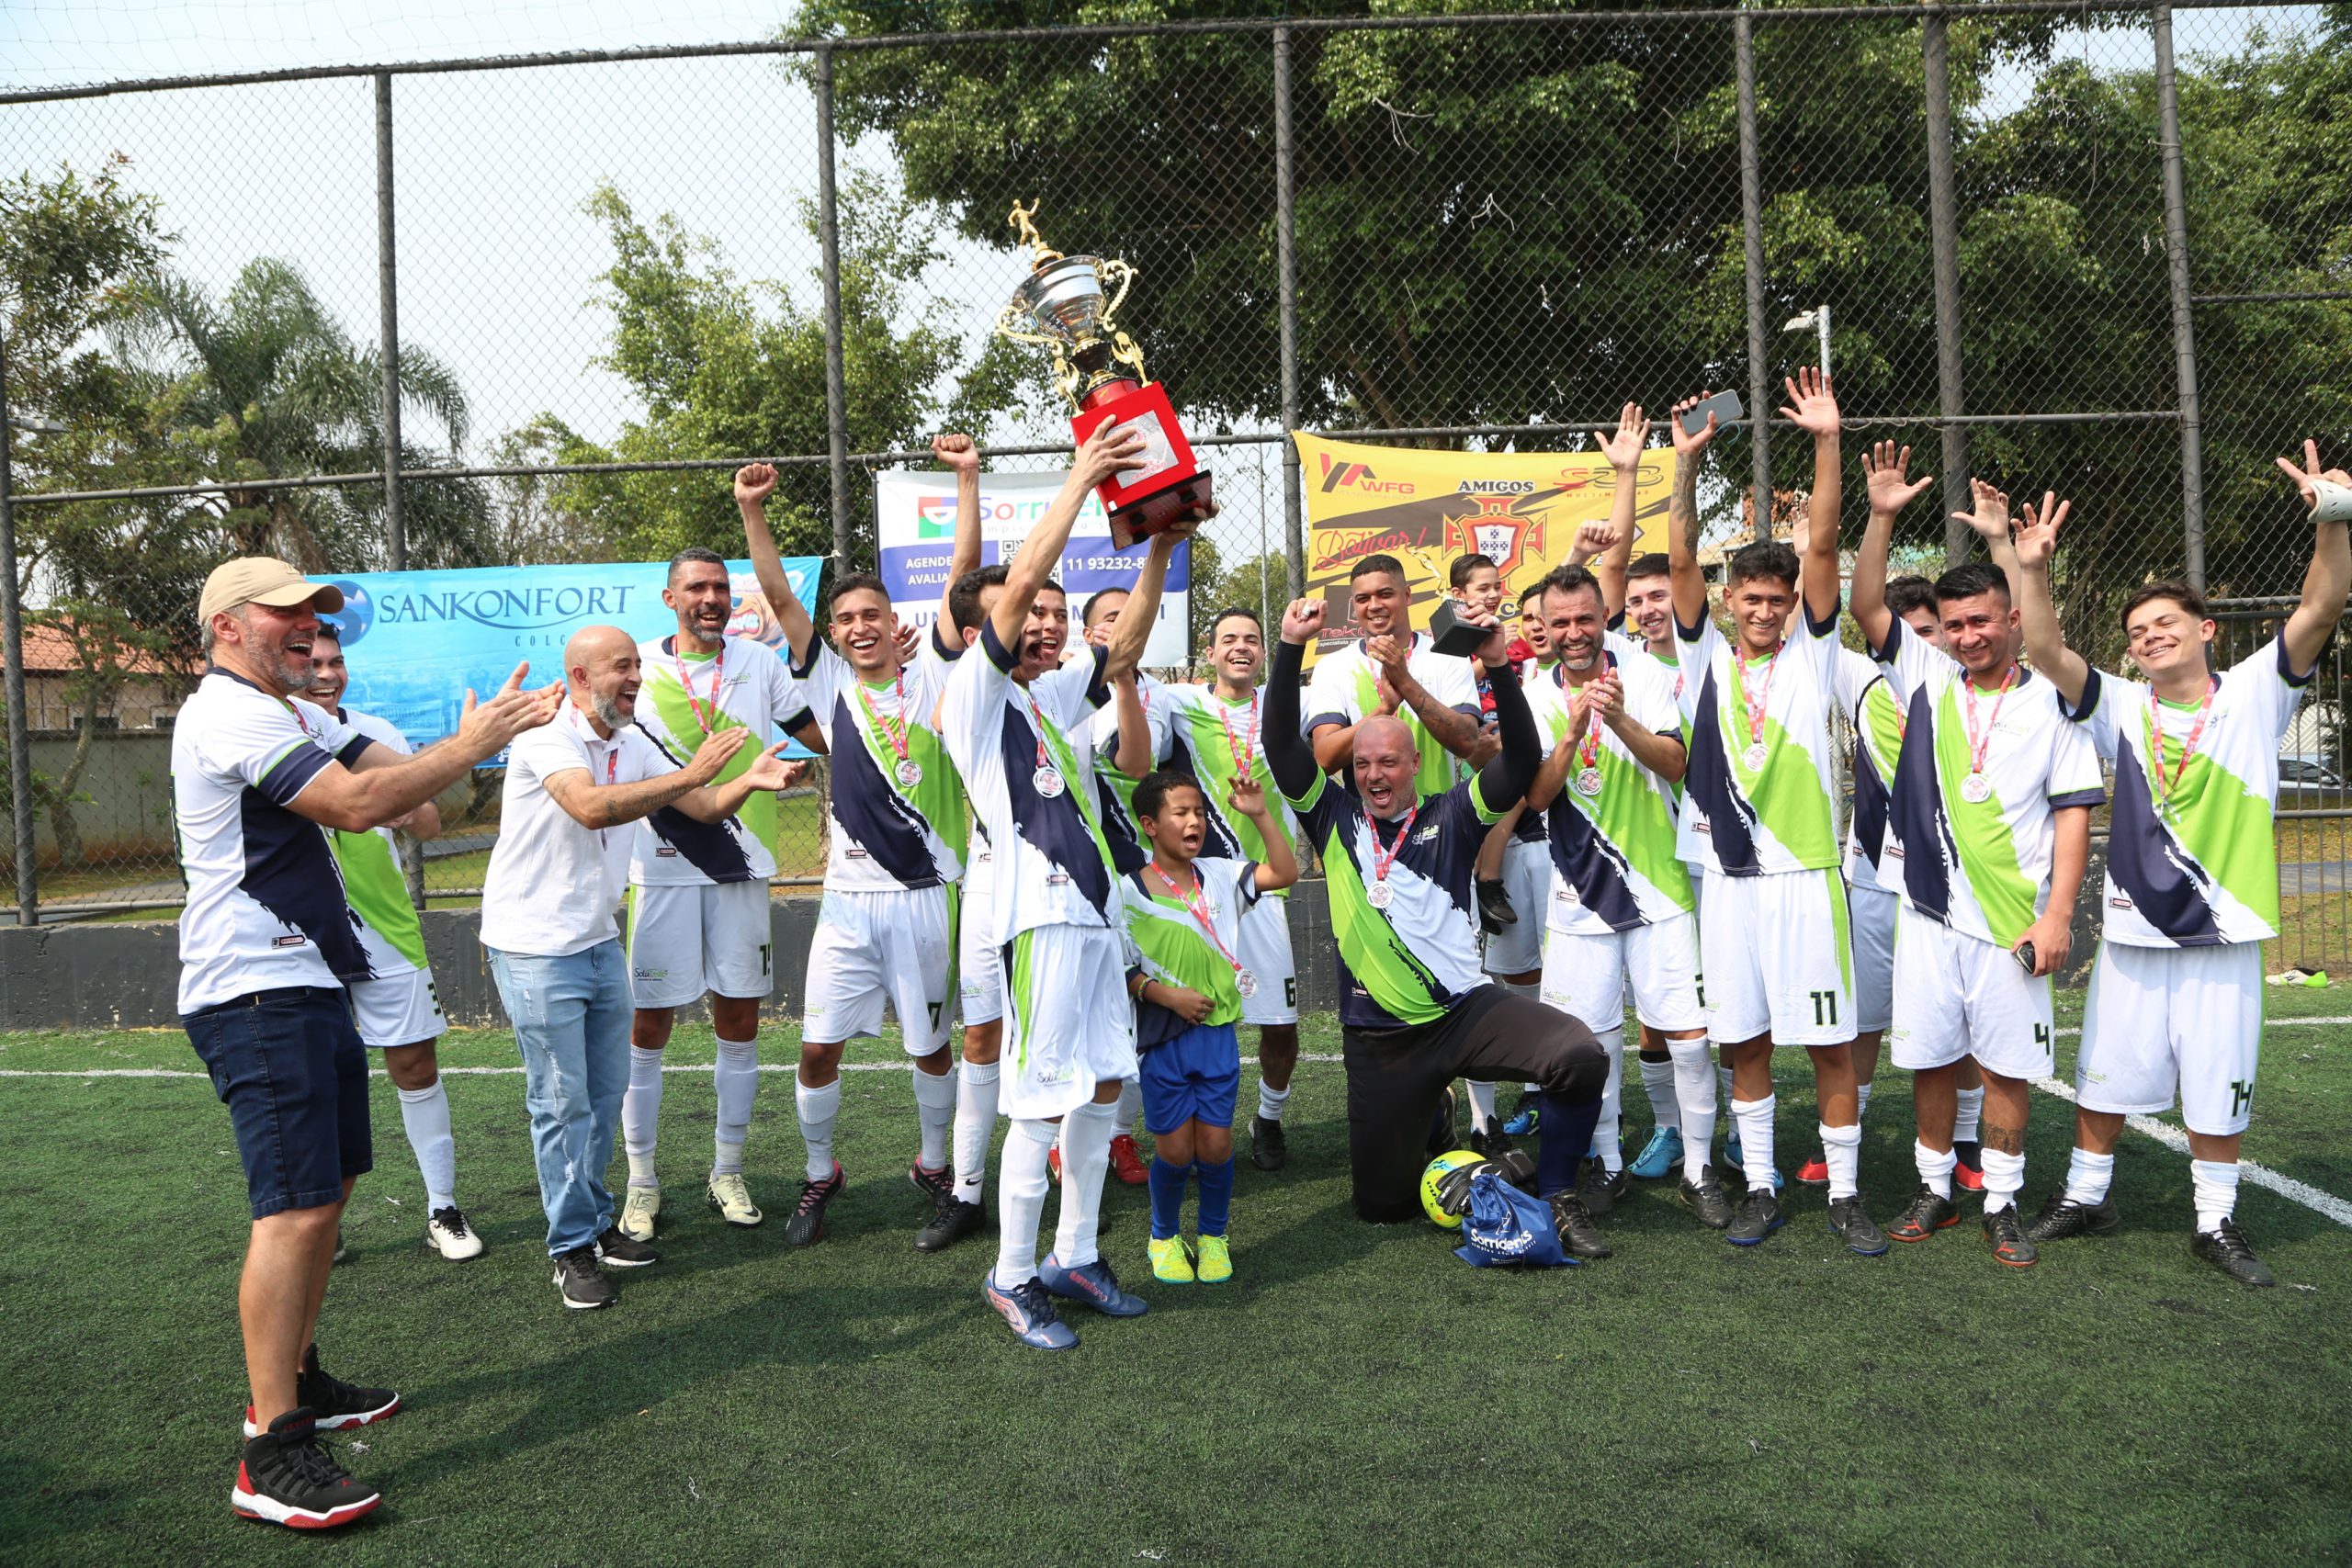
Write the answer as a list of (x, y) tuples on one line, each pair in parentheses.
[(1588, 781), (1047, 782), (1754, 757), (909, 772), (1246, 983), (1976, 789), (1380, 895)]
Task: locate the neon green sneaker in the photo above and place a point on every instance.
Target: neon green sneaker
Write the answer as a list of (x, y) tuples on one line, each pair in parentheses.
[(1171, 1264), (1217, 1262), (637, 1212)]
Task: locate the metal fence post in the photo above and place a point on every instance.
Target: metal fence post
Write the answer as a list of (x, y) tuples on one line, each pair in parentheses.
[(829, 238), (1751, 223), (2184, 328), (1943, 229), (388, 337), (12, 633), (1286, 293)]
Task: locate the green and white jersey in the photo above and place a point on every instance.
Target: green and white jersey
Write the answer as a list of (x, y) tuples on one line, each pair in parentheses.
[(1690, 850), (373, 883), (887, 833), (743, 685), (1873, 854), (1981, 865), (2191, 860), (1761, 792), (1204, 732), (1613, 848), (1342, 691), (1165, 940)]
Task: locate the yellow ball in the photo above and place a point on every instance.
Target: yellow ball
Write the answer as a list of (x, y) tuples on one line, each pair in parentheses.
[(1433, 1201)]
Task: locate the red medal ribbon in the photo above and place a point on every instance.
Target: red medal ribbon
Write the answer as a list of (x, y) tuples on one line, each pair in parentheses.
[(1978, 748), (718, 673), (1196, 903), (2163, 786), (1380, 862), (895, 727), (1243, 747), (1755, 709)]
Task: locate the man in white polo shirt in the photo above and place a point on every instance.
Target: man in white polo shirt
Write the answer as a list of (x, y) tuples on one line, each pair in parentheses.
[(574, 789)]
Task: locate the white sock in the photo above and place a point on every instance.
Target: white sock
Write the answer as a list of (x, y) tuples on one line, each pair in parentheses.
[(1657, 1082), (1021, 1203), (1482, 1105), (1129, 1119), (975, 1125), (1532, 991), (1963, 1122), (1695, 1093), (1861, 1101), (2216, 1184), (424, 1115), (1841, 1148), (1086, 1160), (1270, 1101), (935, 1109), (817, 1107), (1605, 1139), (1935, 1169), (1755, 1119), (736, 1077), (2088, 1176), (2004, 1174), (641, 1109)]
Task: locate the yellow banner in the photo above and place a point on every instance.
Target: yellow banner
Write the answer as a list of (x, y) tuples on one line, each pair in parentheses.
[(1427, 508)]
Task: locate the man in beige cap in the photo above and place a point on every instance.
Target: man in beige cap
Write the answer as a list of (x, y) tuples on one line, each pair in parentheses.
[(267, 944)]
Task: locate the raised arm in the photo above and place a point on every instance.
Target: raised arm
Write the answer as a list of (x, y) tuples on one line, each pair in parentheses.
[(2328, 580), (963, 459), (1112, 449), (1623, 451), (1507, 778), (1124, 650), (2035, 541), (754, 482), (1288, 756), (1814, 409), (1682, 518), (1133, 755), (1280, 868), (1885, 470), (1457, 731)]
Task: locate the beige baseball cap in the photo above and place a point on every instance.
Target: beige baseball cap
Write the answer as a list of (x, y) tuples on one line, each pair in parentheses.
[(263, 580)]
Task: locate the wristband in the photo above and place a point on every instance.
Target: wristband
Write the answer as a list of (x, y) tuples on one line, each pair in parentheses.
[(2332, 502)]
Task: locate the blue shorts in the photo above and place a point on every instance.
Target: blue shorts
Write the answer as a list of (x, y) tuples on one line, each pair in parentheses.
[(1193, 1076), (290, 1066)]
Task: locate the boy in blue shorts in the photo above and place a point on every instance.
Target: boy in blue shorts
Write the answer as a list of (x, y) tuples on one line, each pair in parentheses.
[(1184, 927)]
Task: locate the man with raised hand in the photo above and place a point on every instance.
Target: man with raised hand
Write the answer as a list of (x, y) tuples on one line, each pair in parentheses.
[(1761, 798), (1392, 673), (1416, 1011), (2192, 876), (885, 931), (1219, 737), (698, 891), (1992, 801), (1014, 719), (267, 945)]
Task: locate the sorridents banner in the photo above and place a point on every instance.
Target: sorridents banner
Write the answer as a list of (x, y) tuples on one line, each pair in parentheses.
[(1427, 508), (416, 640), (915, 514)]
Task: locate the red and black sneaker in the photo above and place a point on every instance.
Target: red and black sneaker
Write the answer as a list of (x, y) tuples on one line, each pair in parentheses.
[(933, 1184), (334, 1404), (808, 1222), (2007, 1232), (1967, 1166), (1814, 1172), (1930, 1212), (287, 1477), (1126, 1161)]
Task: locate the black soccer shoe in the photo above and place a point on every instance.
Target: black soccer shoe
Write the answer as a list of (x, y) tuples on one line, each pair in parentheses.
[(807, 1223), (2063, 1217), (2226, 1249), (1759, 1216), (1600, 1187), (1927, 1214), (287, 1477), (951, 1220), (1269, 1148), (335, 1404), (1704, 1198), (933, 1184), (1494, 908), (581, 1282), (1578, 1233), (1440, 1138), (2007, 1232), (1855, 1227), (1489, 1142), (615, 1250)]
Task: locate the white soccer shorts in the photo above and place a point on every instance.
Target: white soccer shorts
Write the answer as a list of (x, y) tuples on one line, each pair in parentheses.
[(1588, 977), (1067, 1025), (2161, 1019), (1777, 958), (685, 940), (1265, 953), (1873, 909), (980, 962), (893, 943), (399, 1010), (1957, 996), (1517, 948)]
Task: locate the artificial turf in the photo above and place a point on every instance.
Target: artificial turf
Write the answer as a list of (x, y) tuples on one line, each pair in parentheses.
[(1354, 1394)]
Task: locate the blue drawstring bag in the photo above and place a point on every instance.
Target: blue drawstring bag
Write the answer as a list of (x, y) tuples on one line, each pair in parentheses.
[(1504, 1224)]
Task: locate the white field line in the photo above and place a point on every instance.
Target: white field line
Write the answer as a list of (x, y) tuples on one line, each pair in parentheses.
[(2173, 1138)]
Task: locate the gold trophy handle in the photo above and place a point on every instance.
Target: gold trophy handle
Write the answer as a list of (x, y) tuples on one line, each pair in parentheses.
[(1009, 324), (1111, 270)]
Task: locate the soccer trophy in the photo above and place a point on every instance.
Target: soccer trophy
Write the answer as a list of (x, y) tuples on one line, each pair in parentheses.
[(1063, 306)]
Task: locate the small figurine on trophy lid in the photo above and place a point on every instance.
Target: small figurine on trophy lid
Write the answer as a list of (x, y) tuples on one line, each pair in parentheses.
[(1067, 304)]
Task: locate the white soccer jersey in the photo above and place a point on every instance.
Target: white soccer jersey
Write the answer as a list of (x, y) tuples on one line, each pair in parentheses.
[(1873, 854), (1114, 792), (1209, 738), (1342, 691), (2192, 861), (676, 707), (373, 883), (553, 885), (1981, 866), (1613, 849), (1052, 863), (266, 907), (887, 832), (1761, 792)]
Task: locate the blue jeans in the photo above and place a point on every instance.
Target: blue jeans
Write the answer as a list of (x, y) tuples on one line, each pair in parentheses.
[(571, 1022)]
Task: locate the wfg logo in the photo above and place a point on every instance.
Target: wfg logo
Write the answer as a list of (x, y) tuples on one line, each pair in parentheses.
[(1359, 476)]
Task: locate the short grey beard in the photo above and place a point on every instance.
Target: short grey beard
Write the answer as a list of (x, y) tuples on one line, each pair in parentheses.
[(608, 710)]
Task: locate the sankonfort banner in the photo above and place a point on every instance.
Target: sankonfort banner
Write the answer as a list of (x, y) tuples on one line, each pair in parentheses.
[(915, 514), (1520, 509), (416, 640)]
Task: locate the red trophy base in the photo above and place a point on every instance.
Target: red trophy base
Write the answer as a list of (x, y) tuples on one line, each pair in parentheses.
[(1144, 500)]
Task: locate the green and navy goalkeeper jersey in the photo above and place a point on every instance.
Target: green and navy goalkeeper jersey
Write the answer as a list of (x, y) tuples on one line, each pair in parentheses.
[(373, 883), (1414, 961), (886, 833), (1981, 866), (1612, 849), (1166, 941), (1205, 730), (1761, 792), (1873, 854), (2191, 860)]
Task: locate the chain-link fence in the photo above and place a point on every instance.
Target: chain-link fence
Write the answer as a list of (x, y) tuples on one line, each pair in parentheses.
[(2096, 250)]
